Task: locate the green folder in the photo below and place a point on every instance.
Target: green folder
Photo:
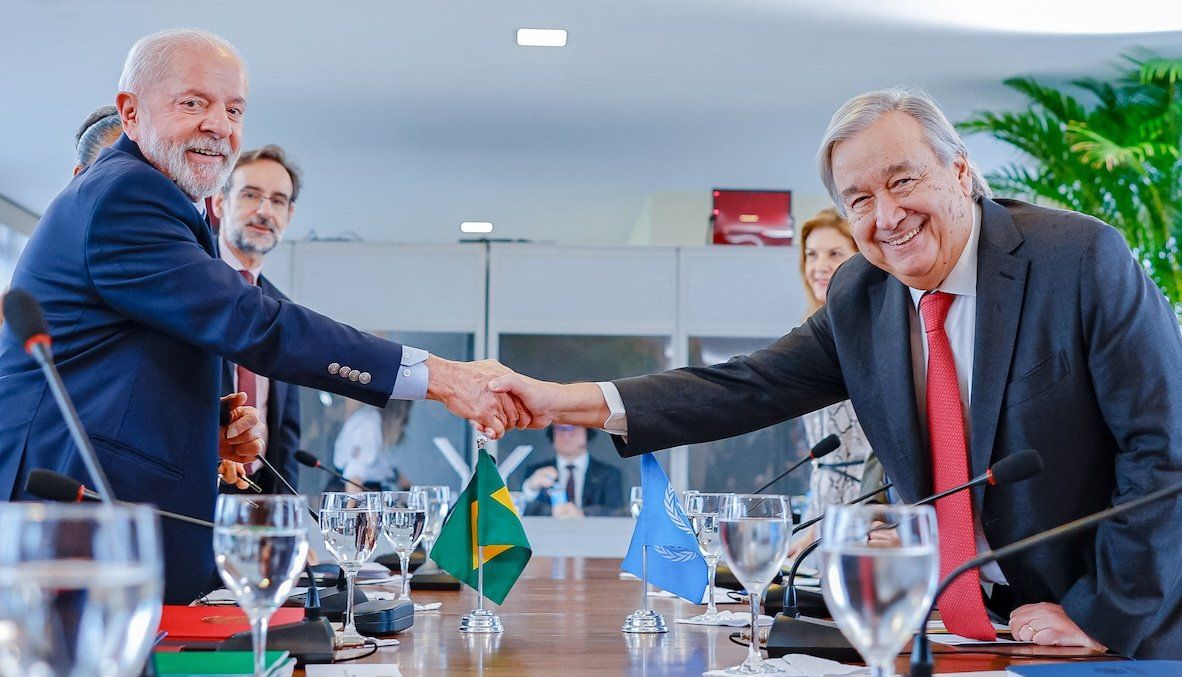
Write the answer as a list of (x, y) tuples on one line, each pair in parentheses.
[(201, 663)]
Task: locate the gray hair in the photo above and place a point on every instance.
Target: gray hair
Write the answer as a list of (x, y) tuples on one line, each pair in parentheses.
[(862, 111), (92, 135), (148, 59)]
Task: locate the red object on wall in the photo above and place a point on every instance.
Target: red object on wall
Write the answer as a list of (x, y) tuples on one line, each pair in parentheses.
[(752, 217)]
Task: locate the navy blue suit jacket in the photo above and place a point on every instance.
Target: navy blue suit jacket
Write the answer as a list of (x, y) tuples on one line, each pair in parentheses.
[(1077, 354), (142, 313)]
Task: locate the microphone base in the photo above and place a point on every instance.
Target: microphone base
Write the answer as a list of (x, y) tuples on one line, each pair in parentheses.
[(306, 641), (383, 617), (793, 635), (808, 603), (436, 579), (332, 602)]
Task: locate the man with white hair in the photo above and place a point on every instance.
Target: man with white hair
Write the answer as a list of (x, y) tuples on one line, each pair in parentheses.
[(142, 311), (967, 329)]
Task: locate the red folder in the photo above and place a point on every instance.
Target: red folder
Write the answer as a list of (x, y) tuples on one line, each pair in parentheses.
[(215, 623)]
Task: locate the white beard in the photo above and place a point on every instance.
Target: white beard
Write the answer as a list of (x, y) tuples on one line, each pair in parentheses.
[(198, 182)]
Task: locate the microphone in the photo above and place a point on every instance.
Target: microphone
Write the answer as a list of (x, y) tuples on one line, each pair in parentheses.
[(921, 650), (822, 448), (61, 488), (24, 315), (820, 640), (308, 459)]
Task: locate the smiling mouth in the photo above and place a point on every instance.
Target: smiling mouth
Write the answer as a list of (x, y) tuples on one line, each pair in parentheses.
[(905, 237), (206, 153)]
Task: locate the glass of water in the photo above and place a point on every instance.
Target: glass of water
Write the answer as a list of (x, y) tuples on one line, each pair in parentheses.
[(404, 516), (350, 523), (260, 545), (755, 531), (80, 589), (438, 503), (635, 501), (702, 509), (878, 594)]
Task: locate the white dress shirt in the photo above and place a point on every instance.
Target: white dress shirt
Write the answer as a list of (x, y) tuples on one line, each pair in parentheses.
[(961, 327), (580, 463)]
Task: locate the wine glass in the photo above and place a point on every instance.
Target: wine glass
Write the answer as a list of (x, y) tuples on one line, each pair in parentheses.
[(404, 516), (80, 589), (878, 594), (438, 503), (350, 523), (635, 501), (260, 545), (756, 531), (702, 510)]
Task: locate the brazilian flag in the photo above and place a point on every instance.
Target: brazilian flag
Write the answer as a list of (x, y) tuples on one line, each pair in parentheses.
[(484, 515)]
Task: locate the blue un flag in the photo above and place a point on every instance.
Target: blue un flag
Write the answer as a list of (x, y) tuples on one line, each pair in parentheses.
[(674, 561)]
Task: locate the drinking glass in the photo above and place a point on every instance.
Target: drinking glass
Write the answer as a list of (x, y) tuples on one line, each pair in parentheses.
[(404, 516), (438, 503), (878, 594), (80, 589), (350, 523), (260, 545), (702, 510), (755, 531), (635, 501)]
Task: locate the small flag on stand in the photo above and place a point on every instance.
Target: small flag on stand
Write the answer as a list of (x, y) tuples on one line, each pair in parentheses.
[(674, 561), (484, 515)]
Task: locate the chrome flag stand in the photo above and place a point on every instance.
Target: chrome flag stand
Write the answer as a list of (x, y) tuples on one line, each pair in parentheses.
[(645, 620), (480, 620)]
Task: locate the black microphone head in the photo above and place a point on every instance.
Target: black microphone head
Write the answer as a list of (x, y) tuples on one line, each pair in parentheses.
[(23, 314), (1016, 467), (306, 458), (825, 446), (53, 486)]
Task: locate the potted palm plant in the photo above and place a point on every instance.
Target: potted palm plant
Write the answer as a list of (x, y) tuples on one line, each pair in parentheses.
[(1116, 155)]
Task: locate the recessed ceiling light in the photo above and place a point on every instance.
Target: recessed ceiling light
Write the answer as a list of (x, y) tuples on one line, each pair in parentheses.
[(541, 37), (476, 227)]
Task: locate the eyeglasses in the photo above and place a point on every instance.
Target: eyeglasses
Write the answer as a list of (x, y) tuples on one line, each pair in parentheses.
[(251, 199)]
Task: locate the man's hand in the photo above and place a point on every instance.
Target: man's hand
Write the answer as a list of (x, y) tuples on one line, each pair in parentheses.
[(566, 511), (233, 474), (463, 388), (1047, 624), (243, 439), (580, 404), (543, 478)]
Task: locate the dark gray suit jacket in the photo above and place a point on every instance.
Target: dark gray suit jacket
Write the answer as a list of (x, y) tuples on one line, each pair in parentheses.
[(603, 490), (1077, 355)]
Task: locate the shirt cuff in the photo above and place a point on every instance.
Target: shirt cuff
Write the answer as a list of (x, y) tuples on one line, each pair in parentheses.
[(530, 495), (617, 422), (413, 374)]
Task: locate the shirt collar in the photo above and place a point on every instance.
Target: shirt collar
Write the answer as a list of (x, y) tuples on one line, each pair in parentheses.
[(580, 462), (231, 259), (962, 279)]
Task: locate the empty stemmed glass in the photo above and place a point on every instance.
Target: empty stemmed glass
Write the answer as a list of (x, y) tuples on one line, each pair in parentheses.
[(756, 531), (879, 593), (404, 515), (350, 523), (438, 502), (702, 509), (635, 501), (80, 589), (260, 545)]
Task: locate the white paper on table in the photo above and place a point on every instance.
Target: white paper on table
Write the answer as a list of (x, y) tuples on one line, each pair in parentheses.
[(353, 670), (949, 639), (720, 596), (800, 665), (733, 619), (381, 642)]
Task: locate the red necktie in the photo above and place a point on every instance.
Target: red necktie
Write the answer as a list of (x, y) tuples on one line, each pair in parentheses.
[(570, 483), (247, 383), (961, 605)]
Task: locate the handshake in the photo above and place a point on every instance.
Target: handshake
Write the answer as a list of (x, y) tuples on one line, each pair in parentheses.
[(495, 398)]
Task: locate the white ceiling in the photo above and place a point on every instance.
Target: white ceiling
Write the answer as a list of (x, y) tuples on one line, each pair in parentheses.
[(409, 117)]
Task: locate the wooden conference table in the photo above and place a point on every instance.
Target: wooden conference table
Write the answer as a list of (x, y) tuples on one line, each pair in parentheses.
[(564, 618)]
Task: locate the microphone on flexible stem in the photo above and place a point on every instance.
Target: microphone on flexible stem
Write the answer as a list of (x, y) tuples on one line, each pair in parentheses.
[(24, 316), (796, 635), (921, 650), (826, 446), (54, 486), (308, 459)]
